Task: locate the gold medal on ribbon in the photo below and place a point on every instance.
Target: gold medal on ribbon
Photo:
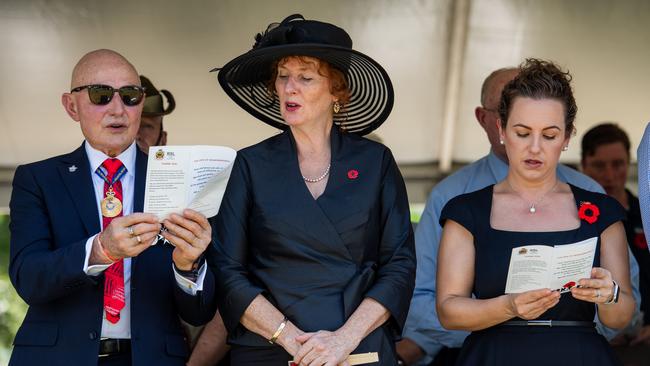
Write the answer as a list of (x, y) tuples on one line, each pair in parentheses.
[(111, 205)]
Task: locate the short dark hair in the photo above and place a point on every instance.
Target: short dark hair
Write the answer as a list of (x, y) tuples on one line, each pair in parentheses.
[(603, 134), (540, 79)]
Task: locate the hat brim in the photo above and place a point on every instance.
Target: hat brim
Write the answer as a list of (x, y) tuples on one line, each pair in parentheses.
[(245, 80), (156, 107)]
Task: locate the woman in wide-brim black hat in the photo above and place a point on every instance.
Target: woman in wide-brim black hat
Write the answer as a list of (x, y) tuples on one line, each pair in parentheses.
[(313, 247)]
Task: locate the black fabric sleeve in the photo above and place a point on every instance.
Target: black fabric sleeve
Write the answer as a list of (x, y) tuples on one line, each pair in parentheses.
[(395, 279), (610, 210), (459, 209)]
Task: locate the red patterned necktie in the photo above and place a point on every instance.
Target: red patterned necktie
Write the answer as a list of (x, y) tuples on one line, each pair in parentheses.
[(112, 171)]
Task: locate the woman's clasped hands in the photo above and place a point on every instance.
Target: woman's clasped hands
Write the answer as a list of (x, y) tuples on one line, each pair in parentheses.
[(325, 348)]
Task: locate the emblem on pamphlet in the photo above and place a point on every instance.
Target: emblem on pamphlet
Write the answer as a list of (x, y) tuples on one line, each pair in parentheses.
[(160, 154)]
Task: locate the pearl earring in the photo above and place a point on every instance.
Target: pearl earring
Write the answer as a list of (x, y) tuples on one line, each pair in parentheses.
[(501, 142), (565, 148)]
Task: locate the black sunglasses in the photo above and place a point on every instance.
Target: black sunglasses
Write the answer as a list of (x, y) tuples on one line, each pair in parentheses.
[(103, 94)]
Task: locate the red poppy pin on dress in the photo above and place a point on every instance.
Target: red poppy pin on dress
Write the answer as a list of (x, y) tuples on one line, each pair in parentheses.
[(588, 212), (353, 174)]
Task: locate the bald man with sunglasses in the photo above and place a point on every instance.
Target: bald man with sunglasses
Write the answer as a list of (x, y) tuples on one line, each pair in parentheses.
[(82, 252)]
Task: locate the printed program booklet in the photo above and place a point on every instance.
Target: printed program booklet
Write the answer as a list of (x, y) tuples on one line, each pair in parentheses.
[(180, 177), (559, 267)]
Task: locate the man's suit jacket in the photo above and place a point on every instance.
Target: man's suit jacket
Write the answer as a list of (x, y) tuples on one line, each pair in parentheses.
[(315, 260), (53, 213)]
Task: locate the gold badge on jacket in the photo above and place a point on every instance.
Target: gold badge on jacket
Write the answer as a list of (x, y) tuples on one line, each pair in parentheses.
[(111, 205)]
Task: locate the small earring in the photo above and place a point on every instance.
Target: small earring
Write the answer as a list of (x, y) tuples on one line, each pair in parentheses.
[(565, 148), (501, 142), (336, 107)]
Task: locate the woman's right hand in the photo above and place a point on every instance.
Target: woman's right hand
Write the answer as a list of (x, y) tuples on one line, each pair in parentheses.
[(531, 304)]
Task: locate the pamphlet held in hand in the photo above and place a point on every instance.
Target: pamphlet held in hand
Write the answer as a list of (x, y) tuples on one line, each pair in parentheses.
[(559, 267), (180, 177)]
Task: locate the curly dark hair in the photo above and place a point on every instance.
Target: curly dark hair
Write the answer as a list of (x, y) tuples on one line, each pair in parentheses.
[(540, 79), (603, 134)]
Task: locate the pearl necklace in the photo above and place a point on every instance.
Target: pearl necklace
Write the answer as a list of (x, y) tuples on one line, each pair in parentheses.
[(532, 208), (316, 180)]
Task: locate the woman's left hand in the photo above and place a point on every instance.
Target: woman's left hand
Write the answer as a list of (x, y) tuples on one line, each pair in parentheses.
[(324, 348), (598, 289), (190, 234)]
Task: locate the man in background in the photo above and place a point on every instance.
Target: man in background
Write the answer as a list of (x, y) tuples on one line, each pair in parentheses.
[(643, 163), (151, 132), (606, 159)]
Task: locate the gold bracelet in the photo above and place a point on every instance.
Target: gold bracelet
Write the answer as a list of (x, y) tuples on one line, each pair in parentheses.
[(277, 333)]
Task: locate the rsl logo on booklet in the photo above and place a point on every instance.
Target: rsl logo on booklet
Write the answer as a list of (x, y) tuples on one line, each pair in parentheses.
[(524, 251), (161, 154)]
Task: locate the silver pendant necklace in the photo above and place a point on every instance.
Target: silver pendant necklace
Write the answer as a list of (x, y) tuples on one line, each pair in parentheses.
[(316, 180), (531, 208)]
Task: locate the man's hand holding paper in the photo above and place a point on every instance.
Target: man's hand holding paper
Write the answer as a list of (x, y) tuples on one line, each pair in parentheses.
[(190, 234)]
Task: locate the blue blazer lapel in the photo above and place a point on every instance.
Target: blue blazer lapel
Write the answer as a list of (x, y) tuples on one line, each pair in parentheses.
[(74, 171)]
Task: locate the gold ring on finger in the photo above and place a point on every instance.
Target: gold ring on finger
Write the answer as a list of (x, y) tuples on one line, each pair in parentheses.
[(130, 229), (137, 237)]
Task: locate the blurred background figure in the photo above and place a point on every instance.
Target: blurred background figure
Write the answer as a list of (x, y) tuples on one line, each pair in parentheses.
[(151, 132), (643, 161), (606, 159)]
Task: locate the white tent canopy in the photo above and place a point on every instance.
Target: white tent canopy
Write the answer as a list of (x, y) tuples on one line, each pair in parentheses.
[(604, 44)]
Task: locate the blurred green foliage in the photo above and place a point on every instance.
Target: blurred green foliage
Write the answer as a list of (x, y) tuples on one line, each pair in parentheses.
[(12, 307)]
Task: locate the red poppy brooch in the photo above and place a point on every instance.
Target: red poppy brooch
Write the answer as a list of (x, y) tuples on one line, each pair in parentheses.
[(588, 212), (353, 174)]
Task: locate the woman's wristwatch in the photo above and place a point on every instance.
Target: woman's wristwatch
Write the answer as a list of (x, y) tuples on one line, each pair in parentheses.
[(615, 294)]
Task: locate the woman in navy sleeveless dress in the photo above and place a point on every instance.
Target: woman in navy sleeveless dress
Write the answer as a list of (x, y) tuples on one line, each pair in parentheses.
[(531, 207)]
